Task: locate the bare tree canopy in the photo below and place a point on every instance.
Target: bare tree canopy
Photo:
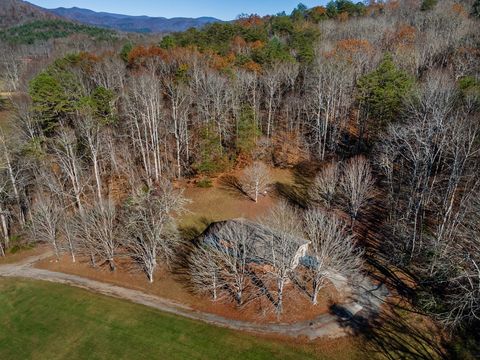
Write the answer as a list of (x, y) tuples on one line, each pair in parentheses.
[(226, 262), (357, 184), (46, 220), (99, 233), (333, 250), (152, 232), (255, 180), (325, 185), (286, 226)]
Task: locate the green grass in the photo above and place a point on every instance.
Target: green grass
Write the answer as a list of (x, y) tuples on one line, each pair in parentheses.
[(40, 320)]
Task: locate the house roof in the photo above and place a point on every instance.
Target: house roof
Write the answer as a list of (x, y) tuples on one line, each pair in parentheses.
[(258, 238)]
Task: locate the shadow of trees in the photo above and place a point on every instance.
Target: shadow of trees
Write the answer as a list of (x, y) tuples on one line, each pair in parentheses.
[(394, 333), (191, 232), (296, 193), (232, 185)]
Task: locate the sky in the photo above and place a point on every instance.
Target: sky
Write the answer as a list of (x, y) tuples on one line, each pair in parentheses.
[(222, 9)]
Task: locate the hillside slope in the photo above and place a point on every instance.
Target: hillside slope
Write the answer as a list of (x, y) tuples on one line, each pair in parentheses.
[(17, 12), (132, 23)]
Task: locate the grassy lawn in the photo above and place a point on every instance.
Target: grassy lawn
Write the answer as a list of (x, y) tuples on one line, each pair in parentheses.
[(222, 202), (40, 320)]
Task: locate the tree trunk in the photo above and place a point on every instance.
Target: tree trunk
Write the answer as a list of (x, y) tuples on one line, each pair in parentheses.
[(111, 263), (5, 229), (315, 292)]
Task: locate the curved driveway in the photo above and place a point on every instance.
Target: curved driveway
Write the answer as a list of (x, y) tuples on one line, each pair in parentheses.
[(366, 302)]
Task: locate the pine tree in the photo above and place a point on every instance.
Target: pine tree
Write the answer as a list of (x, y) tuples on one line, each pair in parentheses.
[(381, 92)]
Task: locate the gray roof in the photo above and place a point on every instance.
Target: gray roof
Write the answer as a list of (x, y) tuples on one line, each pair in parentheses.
[(258, 238)]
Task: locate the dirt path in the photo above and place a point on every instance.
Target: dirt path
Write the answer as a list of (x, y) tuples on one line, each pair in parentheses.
[(365, 302)]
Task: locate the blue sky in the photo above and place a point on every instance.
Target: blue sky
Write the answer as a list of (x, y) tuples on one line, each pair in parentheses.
[(226, 9)]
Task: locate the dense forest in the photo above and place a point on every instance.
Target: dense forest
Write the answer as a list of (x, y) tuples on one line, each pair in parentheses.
[(51, 29), (384, 97)]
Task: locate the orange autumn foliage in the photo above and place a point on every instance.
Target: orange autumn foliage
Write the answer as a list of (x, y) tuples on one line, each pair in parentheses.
[(348, 48), (342, 17), (459, 9), (405, 35), (140, 54), (257, 45), (181, 54), (252, 66), (319, 10), (238, 44), (219, 62), (251, 21)]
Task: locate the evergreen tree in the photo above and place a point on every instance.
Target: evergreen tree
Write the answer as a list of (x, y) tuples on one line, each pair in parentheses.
[(428, 5), (212, 157), (247, 132), (381, 92), (476, 9)]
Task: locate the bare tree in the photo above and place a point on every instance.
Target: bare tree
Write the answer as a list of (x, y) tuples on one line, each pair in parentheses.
[(4, 212), (180, 99), (68, 230), (325, 184), (357, 184), (223, 267), (463, 291), (204, 271), (147, 126), (255, 180), (235, 253), (46, 220), (67, 157), (98, 232), (214, 97), (286, 228), (332, 248), (152, 231), (328, 99), (91, 133), (16, 174), (429, 162), (272, 80), (12, 69)]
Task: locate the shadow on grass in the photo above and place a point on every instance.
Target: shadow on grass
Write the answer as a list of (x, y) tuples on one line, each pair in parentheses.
[(297, 192), (231, 184), (191, 232)]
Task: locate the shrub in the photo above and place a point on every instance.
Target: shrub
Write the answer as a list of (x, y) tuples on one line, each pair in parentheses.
[(205, 183)]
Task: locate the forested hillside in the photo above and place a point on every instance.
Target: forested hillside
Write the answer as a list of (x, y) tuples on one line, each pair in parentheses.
[(44, 30), (379, 103), (16, 12)]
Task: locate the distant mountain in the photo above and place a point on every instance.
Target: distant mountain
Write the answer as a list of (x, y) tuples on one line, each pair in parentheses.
[(17, 12), (131, 23)]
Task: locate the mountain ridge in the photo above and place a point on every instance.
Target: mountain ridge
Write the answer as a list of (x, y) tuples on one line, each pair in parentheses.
[(130, 23)]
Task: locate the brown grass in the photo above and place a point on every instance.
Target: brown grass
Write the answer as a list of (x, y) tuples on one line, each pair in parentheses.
[(297, 307), (223, 201), (23, 254)]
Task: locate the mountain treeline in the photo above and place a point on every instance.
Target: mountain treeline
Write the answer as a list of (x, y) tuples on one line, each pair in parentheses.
[(44, 30)]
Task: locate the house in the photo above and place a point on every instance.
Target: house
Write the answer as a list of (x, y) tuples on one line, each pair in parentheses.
[(258, 239)]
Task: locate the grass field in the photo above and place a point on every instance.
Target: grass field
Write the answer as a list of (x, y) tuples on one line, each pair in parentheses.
[(222, 202), (40, 320)]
